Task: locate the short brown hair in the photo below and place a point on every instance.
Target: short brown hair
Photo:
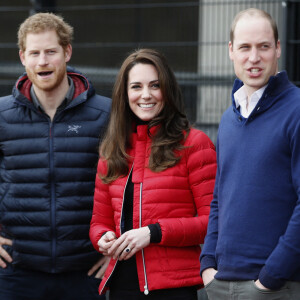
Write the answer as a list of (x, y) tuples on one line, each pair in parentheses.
[(254, 12), (43, 22)]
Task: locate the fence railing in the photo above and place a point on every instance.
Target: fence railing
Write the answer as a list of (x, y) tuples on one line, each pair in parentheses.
[(192, 34)]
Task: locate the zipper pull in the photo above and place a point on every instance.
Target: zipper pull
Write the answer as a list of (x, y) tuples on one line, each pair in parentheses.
[(146, 291)]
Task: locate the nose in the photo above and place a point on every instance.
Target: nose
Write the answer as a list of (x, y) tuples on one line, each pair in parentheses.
[(254, 55), (43, 59), (146, 94)]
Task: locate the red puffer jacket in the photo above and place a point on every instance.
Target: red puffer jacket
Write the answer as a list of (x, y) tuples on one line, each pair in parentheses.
[(177, 198)]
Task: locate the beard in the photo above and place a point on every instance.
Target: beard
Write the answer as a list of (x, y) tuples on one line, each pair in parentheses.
[(47, 85)]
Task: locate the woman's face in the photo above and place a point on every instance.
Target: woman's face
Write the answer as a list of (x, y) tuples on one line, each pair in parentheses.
[(144, 94)]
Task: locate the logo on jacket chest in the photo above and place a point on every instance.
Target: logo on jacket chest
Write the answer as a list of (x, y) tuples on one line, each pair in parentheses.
[(74, 128)]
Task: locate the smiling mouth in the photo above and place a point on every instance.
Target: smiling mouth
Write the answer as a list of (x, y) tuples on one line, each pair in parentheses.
[(146, 105), (254, 70), (45, 73)]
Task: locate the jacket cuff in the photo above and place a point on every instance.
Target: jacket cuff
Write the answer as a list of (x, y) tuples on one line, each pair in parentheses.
[(268, 281), (207, 262), (155, 233)]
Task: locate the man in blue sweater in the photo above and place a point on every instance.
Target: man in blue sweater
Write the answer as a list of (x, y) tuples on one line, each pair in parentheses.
[(252, 247), (49, 136)]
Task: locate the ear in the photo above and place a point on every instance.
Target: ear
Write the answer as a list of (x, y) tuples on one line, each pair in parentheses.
[(278, 49), (68, 53), (22, 57), (230, 49)]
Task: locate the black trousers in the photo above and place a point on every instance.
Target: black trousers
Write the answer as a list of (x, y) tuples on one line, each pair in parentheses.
[(19, 284)]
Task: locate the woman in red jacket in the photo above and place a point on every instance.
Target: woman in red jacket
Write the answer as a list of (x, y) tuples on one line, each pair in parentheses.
[(153, 188)]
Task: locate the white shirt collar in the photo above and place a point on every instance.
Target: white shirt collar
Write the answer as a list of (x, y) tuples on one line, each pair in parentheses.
[(240, 98)]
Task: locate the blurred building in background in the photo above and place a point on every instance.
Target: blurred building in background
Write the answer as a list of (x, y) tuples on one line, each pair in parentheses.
[(193, 35)]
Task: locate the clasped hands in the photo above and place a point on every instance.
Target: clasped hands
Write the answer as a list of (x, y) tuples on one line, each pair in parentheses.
[(127, 245)]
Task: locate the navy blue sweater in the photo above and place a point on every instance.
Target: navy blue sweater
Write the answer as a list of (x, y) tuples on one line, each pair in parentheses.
[(254, 224), (47, 175)]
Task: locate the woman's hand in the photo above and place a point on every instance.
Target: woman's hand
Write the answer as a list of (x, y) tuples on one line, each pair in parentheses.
[(106, 241), (130, 243)]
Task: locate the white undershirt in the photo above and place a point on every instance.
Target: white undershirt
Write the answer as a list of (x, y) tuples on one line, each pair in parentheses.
[(240, 98)]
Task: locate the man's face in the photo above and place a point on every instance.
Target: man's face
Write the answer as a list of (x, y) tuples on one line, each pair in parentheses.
[(254, 52), (45, 60)]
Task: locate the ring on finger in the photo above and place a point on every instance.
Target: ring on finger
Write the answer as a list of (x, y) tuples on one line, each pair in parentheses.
[(127, 250)]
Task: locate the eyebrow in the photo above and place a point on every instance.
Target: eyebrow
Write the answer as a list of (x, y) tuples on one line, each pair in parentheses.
[(47, 49), (137, 82), (259, 43)]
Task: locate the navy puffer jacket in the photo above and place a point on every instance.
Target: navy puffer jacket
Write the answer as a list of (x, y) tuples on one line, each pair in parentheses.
[(47, 174)]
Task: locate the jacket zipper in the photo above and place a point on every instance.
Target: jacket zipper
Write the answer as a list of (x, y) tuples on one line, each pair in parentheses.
[(146, 290), (120, 228), (52, 187)]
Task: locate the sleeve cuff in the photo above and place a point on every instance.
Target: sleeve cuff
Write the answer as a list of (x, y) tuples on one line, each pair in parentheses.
[(155, 233), (207, 262), (269, 281)]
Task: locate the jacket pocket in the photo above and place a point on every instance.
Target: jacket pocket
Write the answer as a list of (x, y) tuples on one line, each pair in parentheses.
[(207, 285), (257, 293)]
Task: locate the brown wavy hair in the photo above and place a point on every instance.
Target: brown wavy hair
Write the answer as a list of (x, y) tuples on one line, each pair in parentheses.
[(174, 125)]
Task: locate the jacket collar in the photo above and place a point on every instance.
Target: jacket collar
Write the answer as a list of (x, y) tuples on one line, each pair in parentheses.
[(142, 132), (82, 85)]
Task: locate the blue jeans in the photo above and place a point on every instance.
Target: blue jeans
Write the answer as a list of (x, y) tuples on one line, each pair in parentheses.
[(247, 290), (21, 284)]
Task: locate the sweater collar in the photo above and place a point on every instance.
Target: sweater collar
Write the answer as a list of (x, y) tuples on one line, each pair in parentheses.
[(277, 84)]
